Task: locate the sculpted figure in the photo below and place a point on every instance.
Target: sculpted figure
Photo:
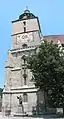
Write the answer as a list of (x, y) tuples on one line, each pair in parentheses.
[(20, 100)]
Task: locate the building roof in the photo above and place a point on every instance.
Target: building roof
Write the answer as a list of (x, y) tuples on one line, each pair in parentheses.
[(55, 38), (26, 15)]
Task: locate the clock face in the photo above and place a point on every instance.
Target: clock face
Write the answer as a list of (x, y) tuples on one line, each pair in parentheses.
[(26, 37)]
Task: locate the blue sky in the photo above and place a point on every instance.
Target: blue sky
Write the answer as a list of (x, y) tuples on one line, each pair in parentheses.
[(51, 17)]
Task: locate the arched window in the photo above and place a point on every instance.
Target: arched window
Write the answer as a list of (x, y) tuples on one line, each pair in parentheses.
[(24, 67), (24, 29), (25, 97), (24, 45), (24, 58), (24, 22)]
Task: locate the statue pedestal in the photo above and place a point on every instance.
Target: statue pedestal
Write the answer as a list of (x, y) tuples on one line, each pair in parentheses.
[(20, 111)]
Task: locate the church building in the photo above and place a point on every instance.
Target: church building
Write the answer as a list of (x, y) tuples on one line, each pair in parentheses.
[(19, 93)]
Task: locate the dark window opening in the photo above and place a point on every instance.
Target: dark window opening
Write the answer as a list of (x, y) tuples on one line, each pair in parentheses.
[(24, 45), (25, 76), (24, 80), (24, 29), (24, 23), (62, 45), (25, 97), (16, 54)]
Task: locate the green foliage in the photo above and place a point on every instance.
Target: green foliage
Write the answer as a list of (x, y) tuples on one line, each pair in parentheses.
[(47, 67)]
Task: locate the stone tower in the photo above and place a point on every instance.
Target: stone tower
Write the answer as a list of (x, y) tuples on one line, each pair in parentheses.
[(25, 37)]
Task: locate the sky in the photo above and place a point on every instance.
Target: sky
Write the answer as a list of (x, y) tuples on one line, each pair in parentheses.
[(51, 17)]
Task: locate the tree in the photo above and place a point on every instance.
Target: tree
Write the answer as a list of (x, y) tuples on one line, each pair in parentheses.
[(47, 67)]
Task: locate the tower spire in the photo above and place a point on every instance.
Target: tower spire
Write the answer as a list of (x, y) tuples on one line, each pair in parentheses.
[(26, 10), (26, 7)]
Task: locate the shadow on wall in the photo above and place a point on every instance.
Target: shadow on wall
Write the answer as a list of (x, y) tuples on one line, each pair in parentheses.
[(0, 106), (40, 110)]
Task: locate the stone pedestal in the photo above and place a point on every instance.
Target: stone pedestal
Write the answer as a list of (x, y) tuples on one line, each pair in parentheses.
[(19, 111)]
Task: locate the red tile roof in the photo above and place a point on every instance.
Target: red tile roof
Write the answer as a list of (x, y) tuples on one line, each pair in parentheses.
[(55, 38)]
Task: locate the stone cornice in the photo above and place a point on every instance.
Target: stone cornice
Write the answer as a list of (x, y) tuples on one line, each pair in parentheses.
[(16, 69), (25, 49), (21, 91)]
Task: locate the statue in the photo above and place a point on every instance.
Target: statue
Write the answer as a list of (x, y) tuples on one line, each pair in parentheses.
[(20, 103), (20, 100)]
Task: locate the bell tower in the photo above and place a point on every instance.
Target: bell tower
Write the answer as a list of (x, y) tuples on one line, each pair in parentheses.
[(25, 37), (25, 30)]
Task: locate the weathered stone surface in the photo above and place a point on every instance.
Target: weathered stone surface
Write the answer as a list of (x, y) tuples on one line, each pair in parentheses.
[(15, 84)]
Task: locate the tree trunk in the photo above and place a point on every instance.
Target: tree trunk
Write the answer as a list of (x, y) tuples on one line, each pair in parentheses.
[(37, 103), (45, 102)]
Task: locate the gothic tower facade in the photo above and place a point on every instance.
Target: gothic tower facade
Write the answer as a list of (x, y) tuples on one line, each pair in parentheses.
[(25, 38)]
